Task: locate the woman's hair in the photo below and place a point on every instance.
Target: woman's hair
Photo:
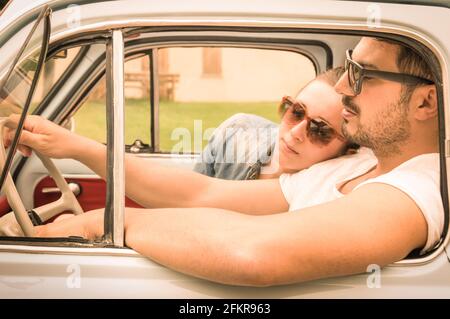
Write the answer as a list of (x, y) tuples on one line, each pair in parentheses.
[(331, 77)]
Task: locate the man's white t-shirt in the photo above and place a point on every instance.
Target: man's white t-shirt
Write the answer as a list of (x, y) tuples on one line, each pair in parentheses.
[(417, 177)]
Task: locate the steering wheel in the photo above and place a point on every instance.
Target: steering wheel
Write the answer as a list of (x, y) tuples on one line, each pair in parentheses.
[(19, 222)]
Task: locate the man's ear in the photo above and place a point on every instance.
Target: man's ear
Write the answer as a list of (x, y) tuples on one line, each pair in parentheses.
[(424, 102)]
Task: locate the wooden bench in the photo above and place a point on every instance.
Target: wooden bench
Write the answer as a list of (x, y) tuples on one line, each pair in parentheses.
[(167, 83)]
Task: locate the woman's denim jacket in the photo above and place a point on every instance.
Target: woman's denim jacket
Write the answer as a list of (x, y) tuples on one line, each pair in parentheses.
[(238, 148)]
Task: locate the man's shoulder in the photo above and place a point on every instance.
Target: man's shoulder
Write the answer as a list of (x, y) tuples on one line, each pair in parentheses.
[(416, 172)]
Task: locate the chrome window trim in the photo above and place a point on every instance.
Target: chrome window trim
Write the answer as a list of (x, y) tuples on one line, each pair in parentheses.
[(154, 99), (269, 23), (85, 251), (115, 122)]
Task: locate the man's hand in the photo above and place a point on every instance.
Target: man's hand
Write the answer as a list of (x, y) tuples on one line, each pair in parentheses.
[(43, 136)]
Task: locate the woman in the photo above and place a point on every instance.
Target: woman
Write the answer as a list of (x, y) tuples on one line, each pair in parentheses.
[(247, 146)]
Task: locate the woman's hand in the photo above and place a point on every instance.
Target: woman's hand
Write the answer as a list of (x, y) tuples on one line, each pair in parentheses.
[(43, 136)]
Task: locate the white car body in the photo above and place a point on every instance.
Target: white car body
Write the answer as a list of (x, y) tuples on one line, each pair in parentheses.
[(37, 270)]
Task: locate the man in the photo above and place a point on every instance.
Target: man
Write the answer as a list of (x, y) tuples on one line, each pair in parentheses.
[(344, 214)]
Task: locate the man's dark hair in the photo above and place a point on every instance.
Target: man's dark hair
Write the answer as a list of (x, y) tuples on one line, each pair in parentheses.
[(3, 4), (409, 61)]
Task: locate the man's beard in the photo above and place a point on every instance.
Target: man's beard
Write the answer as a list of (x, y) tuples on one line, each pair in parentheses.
[(386, 132)]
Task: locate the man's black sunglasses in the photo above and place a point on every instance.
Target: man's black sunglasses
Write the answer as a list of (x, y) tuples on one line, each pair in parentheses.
[(356, 74)]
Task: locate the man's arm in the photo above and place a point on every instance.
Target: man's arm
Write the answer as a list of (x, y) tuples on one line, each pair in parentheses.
[(153, 185), (337, 238), (341, 237)]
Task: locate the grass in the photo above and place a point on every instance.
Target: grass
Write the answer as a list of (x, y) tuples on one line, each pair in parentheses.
[(90, 120)]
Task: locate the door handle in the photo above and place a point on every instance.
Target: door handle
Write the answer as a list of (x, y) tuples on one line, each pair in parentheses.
[(74, 187)]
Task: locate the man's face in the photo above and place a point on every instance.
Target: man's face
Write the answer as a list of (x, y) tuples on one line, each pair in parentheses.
[(378, 116)]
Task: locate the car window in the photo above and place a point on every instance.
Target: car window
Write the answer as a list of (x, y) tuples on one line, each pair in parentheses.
[(52, 71), (201, 87), (137, 104), (90, 119), (198, 88)]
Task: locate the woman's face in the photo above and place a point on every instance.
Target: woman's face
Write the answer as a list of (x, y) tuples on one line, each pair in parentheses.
[(297, 150)]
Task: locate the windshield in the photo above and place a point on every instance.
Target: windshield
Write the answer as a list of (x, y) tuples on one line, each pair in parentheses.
[(18, 84)]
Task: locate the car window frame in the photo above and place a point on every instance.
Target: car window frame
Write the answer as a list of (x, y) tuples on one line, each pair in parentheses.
[(60, 81), (444, 148), (114, 213), (428, 3), (44, 16)]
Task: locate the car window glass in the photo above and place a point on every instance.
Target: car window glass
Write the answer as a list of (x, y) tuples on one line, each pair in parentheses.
[(137, 104), (15, 91), (90, 119), (52, 71), (201, 87)]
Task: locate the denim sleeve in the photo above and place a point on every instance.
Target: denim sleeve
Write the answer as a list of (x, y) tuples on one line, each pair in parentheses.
[(214, 161), (206, 161)]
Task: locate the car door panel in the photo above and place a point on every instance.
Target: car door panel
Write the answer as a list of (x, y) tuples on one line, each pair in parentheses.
[(4, 205), (122, 273), (92, 193)]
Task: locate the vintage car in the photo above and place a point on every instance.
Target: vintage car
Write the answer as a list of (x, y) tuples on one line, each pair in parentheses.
[(127, 73)]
